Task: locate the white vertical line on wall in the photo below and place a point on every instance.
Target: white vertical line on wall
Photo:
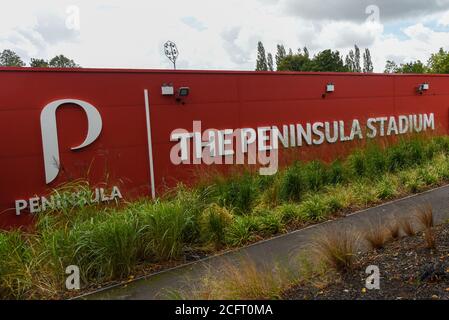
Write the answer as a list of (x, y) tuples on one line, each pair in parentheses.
[(150, 143)]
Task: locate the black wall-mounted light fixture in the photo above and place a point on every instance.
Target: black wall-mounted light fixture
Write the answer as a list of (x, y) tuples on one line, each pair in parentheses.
[(182, 93)]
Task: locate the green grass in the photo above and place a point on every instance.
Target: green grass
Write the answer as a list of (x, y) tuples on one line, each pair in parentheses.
[(111, 243), (15, 265)]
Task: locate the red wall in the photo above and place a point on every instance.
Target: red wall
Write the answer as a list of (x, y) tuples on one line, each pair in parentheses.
[(221, 100)]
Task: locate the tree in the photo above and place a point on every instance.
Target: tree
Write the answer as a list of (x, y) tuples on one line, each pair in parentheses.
[(9, 58), (62, 61), (412, 67), (391, 67), (357, 66), (367, 62), (280, 54), (350, 61), (439, 62), (325, 61), (328, 61), (270, 62), (306, 52), (39, 63), (295, 62), (261, 63)]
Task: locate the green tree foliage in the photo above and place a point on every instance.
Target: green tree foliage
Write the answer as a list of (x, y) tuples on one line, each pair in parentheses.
[(62, 61), (9, 58), (391, 67), (410, 67), (357, 66), (306, 52), (439, 62), (328, 61), (280, 54), (261, 63), (39, 63), (413, 67), (295, 62), (350, 61), (270, 62), (325, 61), (367, 62)]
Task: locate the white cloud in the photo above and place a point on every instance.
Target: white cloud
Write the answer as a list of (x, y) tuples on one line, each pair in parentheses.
[(213, 34), (355, 10)]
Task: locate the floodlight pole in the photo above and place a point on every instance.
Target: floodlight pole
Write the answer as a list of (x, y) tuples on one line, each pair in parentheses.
[(172, 52)]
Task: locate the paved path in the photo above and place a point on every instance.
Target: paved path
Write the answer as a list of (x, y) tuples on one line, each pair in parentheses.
[(273, 251)]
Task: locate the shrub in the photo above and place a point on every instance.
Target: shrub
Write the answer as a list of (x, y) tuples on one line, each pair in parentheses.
[(394, 228), (407, 226), (214, 223), (315, 175), (425, 218), (377, 235), (375, 160), (16, 271), (356, 162), (336, 248), (271, 223), (363, 193), (430, 239), (314, 208), (336, 173), (428, 176), (412, 181), (292, 184), (441, 165), (102, 248), (242, 230), (386, 188), (291, 212), (333, 203), (167, 227), (271, 193), (396, 157), (247, 281), (238, 193), (192, 204)]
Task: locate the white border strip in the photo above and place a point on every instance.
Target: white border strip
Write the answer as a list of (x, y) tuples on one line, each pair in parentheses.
[(150, 143)]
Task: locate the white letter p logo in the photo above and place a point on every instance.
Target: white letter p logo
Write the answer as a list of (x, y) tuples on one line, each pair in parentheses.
[(50, 133)]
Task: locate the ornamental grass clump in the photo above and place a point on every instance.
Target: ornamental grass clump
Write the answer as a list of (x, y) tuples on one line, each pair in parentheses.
[(16, 265), (377, 234), (336, 248), (425, 217)]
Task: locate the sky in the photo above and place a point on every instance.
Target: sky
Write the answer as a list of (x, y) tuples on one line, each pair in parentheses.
[(220, 35)]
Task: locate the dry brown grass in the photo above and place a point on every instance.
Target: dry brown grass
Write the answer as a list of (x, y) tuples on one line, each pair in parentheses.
[(377, 234), (395, 229), (407, 226), (336, 247), (429, 237), (424, 216), (245, 281)]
